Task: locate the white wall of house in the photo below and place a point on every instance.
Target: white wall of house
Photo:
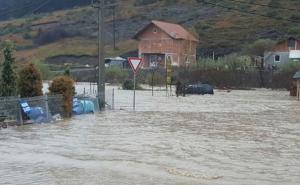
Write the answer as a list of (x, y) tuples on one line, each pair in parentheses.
[(294, 55)]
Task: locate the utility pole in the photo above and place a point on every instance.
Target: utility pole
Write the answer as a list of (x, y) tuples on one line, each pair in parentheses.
[(99, 5), (114, 25)]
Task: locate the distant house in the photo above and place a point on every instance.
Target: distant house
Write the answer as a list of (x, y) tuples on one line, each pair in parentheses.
[(160, 42), (116, 62), (282, 52)]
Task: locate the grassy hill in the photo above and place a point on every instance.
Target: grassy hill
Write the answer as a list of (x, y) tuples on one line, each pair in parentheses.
[(65, 28)]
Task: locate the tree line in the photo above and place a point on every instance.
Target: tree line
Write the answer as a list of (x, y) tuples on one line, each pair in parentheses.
[(26, 81)]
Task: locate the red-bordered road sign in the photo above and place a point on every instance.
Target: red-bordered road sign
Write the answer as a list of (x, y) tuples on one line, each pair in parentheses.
[(135, 63)]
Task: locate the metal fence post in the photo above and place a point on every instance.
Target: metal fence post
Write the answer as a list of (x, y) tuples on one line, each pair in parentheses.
[(113, 99), (47, 107), (20, 110), (90, 88), (84, 105)]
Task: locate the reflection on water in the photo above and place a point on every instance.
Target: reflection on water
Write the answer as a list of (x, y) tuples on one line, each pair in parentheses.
[(242, 137)]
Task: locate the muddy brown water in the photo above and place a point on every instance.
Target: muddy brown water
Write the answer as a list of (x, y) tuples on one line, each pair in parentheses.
[(237, 138)]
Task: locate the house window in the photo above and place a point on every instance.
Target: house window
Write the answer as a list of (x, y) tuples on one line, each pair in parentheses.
[(153, 61), (277, 58), (155, 30), (187, 61), (292, 44)]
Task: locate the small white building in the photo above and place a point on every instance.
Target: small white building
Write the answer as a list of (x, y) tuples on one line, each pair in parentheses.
[(294, 55), (116, 62)]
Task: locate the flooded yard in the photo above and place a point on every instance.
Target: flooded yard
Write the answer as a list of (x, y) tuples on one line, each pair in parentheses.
[(236, 138)]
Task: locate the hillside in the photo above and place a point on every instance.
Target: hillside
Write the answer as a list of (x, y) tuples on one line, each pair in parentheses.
[(69, 27)]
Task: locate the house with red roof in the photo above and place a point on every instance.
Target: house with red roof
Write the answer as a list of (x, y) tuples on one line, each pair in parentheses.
[(161, 42), (284, 51)]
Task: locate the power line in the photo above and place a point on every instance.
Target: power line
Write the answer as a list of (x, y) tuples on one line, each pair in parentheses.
[(114, 27), (28, 5), (247, 12), (265, 5), (40, 6), (8, 6)]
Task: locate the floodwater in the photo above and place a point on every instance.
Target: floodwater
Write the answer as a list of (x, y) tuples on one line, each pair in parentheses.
[(236, 138)]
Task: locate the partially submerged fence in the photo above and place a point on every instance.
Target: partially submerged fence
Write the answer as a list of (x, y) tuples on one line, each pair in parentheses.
[(10, 107), (55, 104), (110, 99)]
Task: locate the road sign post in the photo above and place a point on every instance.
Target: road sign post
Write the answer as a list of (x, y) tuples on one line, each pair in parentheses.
[(135, 64), (134, 87)]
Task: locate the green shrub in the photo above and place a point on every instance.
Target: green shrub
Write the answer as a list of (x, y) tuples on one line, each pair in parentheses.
[(67, 71), (30, 82), (259, 47), (27, 35), (116, 75), (158, 79), (290, 66), (44, 70), (231, 62), (272, 13), (294, 31), (128, 85), (283, 77)]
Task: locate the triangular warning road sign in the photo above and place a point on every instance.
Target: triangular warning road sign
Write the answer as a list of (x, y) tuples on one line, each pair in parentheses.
[(135, 64)]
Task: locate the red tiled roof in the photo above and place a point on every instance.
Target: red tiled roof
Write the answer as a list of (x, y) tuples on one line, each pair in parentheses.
[(173, 30)]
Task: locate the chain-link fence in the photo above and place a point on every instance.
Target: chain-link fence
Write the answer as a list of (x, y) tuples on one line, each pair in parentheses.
[(55, 104), (110, 98), (20, 111), (10, 109), (118, 99)]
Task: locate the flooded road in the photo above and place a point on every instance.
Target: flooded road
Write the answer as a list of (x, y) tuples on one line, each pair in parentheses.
[(237, 138)]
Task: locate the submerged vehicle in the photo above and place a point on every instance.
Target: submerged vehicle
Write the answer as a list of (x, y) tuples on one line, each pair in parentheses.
[(83, 106), (36, 114), (199, 89)]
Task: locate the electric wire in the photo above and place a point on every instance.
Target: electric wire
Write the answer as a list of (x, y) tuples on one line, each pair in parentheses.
[(14, 10), (247, 12), (265, 5)]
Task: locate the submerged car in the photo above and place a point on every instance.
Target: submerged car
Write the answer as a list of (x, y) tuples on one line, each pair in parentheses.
[(83, 107), (199, 89)]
